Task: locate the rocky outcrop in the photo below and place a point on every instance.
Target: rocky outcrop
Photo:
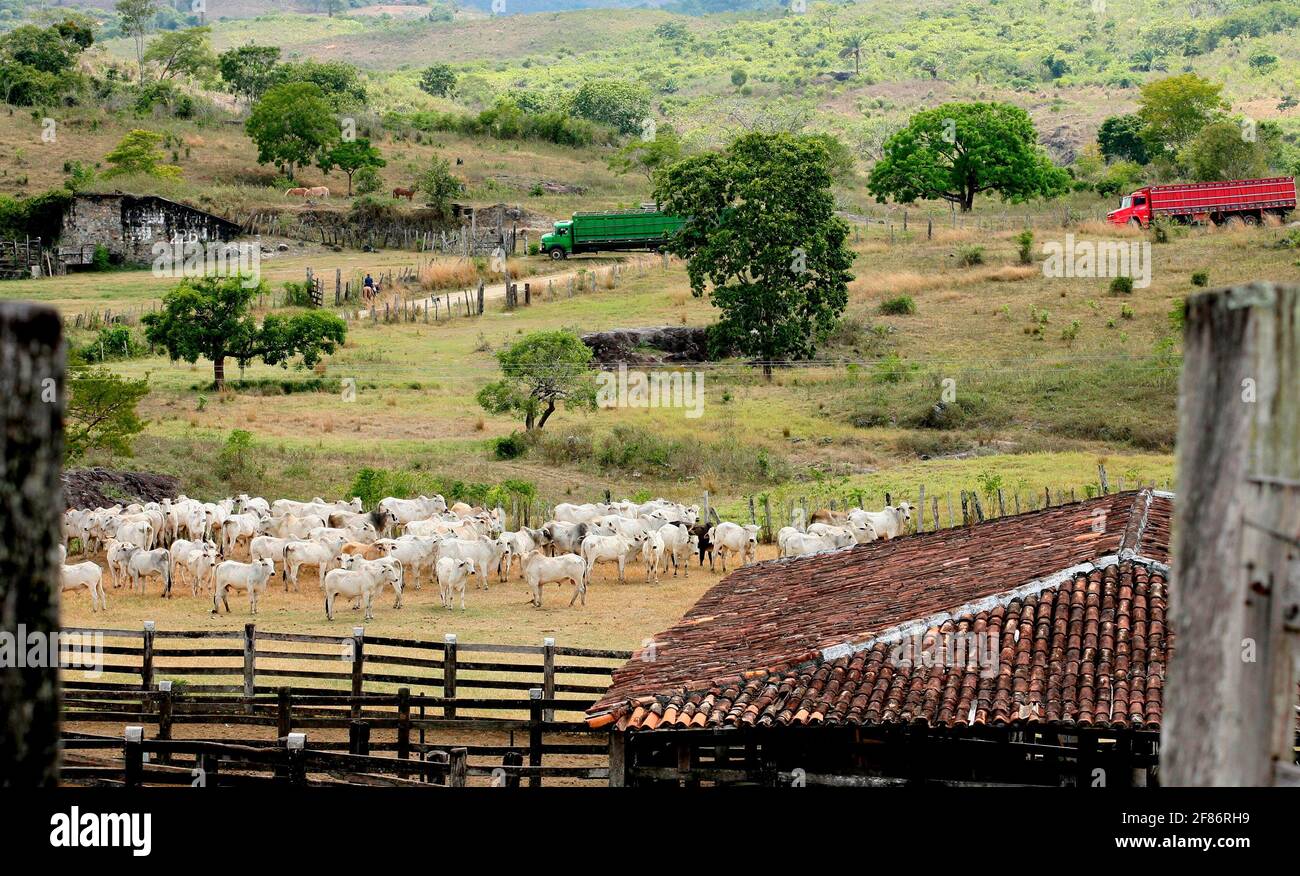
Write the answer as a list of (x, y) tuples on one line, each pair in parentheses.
[(649, 346), (101, 487)]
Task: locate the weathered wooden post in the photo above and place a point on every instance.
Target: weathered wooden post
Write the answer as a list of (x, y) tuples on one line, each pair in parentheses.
[(31, 508), (358, 667), (449, 675), (535, 736), (548, 675), (1235, 593), (250, 666)]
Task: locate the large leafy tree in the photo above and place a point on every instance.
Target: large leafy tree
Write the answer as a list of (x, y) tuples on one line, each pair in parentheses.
[(1174, 109), (440, 184), (648, 156), (1120, 139), (209, 317), (183, 52), (339, 82), (249, 70), (292, 125), (959, 150), (438, 80), (101, 413), (762, 233), (37, 65), (621, 105), (1220, 152), (350, 156), (538, 373)]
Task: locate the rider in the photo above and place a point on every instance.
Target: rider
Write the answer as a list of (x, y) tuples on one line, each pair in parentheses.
[(369, 286)]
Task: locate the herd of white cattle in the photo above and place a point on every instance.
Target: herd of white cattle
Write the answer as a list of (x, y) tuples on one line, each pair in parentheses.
[(357, 554)]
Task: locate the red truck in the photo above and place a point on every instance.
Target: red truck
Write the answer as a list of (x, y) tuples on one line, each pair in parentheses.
[(1244, 200)]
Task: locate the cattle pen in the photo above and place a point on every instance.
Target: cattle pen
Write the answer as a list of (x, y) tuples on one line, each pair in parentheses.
[(514, 711)]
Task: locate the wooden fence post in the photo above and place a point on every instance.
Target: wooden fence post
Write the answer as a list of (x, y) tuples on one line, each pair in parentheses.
[(1101, 475), (283, 713), (534, 735), (164, 714), (548, 675), (358, 664), (770, 534), (617, 760), (146, 662), (1236, 597), (449, 675), (296, 772), (133, 756), (358, 737), (250, 665), (457, 767), (404, 723)]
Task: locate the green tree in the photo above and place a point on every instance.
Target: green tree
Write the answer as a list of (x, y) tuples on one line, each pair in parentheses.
[(1173, 109), (209, 317), (101, 413), (292, 125), (339, 81), (183, 52), (853, 47), (621, 105), (438, 80), (739, 77), (958, 150), (648, 156), (350, 156), (37, 65), (1120, 138), (1219, 151), (764, 236), (249, 70), (539, 372), (139, 153), (135, 18), (440, 184)]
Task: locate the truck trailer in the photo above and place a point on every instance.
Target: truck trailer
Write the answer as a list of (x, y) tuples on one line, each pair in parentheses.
[(594, 232), (1239, 200)]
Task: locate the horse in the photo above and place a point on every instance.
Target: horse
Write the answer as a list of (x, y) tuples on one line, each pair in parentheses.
[(400, 192), (318, 192), (299, 192)]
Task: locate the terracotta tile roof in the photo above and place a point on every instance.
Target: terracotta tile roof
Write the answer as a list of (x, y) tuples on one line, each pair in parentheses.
[(1054, 616)]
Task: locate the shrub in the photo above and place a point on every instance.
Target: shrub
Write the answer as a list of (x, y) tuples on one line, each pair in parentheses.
[(1025, 246), (969, 256), (1200, 278), (237, 463), (511, 446), (1070, 332), (113, 343), (1126, 312), (903, 305), (1121, 286), (297, 294), (102, 259)]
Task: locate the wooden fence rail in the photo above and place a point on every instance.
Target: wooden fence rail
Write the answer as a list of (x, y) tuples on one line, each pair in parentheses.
[(411, 690)]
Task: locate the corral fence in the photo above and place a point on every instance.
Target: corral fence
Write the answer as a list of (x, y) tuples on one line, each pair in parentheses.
[(903, 223), (520, 704)]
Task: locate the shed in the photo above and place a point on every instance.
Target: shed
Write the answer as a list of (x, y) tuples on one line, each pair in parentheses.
[(129, 225), (1027, 650)]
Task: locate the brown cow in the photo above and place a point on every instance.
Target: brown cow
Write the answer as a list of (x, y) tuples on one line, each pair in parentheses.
[(365, 551), (833, 518), (400, 192)]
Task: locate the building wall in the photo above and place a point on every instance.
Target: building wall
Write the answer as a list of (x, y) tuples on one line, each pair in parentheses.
[(129, 226)]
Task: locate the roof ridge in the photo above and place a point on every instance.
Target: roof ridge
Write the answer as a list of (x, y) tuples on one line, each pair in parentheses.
[(910, 629)]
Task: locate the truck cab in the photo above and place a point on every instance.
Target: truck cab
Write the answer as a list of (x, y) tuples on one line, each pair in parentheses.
[(1134, 208), (559, 243)]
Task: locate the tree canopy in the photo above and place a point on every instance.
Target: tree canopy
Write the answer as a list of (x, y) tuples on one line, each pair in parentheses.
[(762, 233), (350, 156), (249, 70), (208, 317), (138, 153), (438, 80), (292, 125), (959, 150), (183, 52), (1175, 108), (538, 373), (101, 413)]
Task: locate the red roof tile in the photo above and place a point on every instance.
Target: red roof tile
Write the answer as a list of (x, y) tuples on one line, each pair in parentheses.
[(1055, 616)]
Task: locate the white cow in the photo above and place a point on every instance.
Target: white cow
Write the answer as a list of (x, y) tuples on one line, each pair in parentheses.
[(564, 538), (889, 523), (414, 552), (679, 546), (801, 544), (268, 547), (234, 575), (399, 511), (354, 562), (361, 582), (732, 538), (652, 554), (306, 553), (610, 549), (540, 569), (86, 575), (138, 531), (116, 556), (840, 536), (483, 553), (237, 528), (517, 544), (142, 564), (201, 566), (566, 512), (181, 551), (293, 525), (452, 576)]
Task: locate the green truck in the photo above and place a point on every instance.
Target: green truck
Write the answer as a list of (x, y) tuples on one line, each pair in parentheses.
[(593, 232)]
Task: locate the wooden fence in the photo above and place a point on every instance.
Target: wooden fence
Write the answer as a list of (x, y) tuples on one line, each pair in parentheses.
[(410, 690)]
